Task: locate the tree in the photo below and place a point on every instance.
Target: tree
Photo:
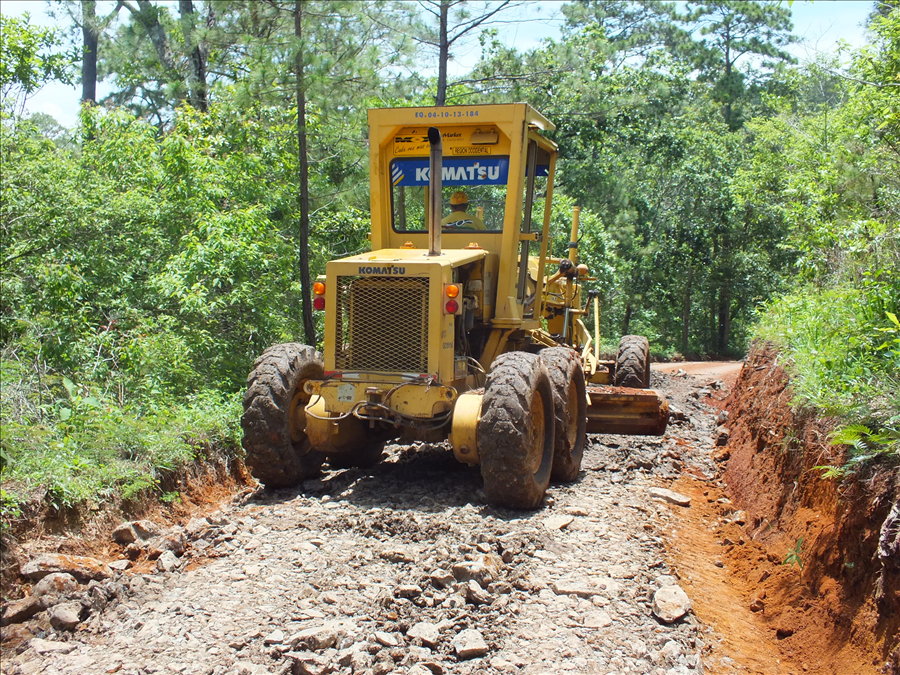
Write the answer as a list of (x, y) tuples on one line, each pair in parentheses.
[(196, 49), (30, 57), (158, 61), (89, 55), (454, 23), (731, 30), (309, 328)]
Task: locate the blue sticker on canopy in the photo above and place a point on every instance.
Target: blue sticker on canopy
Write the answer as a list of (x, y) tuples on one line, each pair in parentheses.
[(468, 171)]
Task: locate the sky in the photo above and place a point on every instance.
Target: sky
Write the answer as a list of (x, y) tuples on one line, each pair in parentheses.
[(819, 24)]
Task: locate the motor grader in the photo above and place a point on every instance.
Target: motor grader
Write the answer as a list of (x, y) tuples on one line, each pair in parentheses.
[(474, 335)]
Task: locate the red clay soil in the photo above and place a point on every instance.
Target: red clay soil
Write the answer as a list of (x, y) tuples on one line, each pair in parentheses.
[(822, 618)]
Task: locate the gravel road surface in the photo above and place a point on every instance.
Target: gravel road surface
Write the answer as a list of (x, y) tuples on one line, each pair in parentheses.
[(404, 569)]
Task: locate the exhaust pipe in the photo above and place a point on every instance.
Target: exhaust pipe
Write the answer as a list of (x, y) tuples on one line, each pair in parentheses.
[(435, 190)]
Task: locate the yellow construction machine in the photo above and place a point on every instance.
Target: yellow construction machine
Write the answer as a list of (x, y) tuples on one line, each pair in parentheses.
[(457, 325)]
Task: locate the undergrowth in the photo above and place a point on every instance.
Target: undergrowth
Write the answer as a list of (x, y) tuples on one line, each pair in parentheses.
[(66, 444), (841, 337)]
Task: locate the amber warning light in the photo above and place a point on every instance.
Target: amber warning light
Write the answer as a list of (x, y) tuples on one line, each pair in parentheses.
[(319, 300)]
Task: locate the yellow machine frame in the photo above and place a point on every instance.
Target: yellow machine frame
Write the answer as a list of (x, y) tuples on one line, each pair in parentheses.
[(437, 389)]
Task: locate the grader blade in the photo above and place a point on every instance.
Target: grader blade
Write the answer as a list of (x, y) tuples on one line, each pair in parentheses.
[(621, 410)]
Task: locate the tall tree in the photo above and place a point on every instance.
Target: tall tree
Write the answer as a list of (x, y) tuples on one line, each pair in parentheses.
[(732, 30), (30, 56), (89, 57), (451, 23), (196, 49), (309, 327)]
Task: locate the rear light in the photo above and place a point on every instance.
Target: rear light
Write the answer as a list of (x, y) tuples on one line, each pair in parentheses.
[(319, 288), (319, 302), (451, 291)]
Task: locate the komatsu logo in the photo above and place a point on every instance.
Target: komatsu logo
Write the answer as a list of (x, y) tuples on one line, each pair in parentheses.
[(387, 269)]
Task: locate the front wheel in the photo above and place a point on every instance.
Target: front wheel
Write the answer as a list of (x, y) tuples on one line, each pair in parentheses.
[(516, 431), (570, 409), (279, 453)]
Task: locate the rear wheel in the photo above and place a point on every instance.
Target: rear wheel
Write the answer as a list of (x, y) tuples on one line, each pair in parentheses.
[(274, 421), (633, 362), (516, 431), (570, 409)]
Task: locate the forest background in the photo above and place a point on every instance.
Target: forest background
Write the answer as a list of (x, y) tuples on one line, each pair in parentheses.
[(151, 253)]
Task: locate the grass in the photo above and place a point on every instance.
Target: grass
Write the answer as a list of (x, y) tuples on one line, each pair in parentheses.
[(843, 354), (67, 445)]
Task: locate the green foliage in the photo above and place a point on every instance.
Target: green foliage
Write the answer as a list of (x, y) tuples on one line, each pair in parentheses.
[(152, 254), (70, 444), (829, 169), (793, 556), (864, 446), (29, 57)]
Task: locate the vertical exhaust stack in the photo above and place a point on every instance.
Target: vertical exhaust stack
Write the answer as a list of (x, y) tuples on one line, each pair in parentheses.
[(435, 191)]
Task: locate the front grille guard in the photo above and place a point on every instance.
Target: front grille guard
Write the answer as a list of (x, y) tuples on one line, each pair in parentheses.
[(382, 324)]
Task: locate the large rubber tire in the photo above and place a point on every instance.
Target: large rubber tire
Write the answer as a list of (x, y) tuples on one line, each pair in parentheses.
[(633, 362), (570, 409), (364, 458), (278, 452), (516, 431)]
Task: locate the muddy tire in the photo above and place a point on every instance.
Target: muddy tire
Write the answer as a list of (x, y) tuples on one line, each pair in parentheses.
[(364, 458), (278, 452), (633, 362), (516, 431), (570, 410)]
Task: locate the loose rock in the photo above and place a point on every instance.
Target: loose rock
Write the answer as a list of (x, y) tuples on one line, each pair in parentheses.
[(57, 583), (137, 531), (477, 595), (65, 616), (469, 644), (427, 632), (558, 522), (21, 610), (669, 496), (167, 562), (173, 542), (81, 568), (670, 603), (484, 570), (597, 620), (51, 646)]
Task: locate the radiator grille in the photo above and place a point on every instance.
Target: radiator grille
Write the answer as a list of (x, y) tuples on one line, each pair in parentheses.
[(382, 324)]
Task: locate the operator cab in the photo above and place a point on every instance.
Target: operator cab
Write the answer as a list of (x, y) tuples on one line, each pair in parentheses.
[(476, 167)]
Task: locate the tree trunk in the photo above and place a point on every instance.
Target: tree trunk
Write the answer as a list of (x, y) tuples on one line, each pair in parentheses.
[(309, 327), (148, 16), (728, 65), (196, 52), (89, 59), (686, 312), (443, 56), (724, 317), (626, 324)]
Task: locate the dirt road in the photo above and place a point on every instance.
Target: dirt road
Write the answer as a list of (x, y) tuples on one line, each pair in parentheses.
[(727, 371), (404, 569)]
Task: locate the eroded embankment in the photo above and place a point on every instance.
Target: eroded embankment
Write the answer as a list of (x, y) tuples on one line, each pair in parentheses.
[(840, 612), (83, 529)]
